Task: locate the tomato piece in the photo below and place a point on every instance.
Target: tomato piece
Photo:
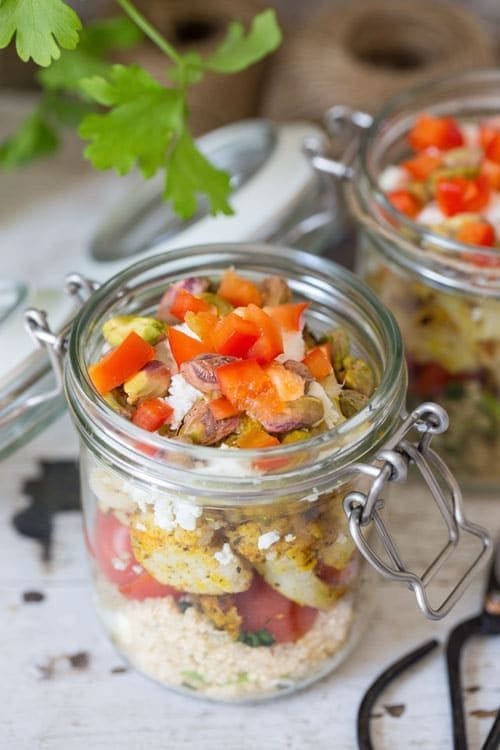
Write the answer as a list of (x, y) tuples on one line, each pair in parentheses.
[(337, 577), (491, 171), (441, 132), (221, 408), (245, 384), (289, 385), (422, 165), (488, 130), (239, 291), (185, 302), (459, 195), (121, 363), (289, 316), (112, 548), (405, 202), (234, 335), (269, 344), (185, 347), (144, 586), (203, 324), (319, 361), (476, 233), (261, 607), (492, 150), (152, 414)]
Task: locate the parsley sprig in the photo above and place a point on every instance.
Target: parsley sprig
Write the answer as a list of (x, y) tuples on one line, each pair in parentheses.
[(145, 122)]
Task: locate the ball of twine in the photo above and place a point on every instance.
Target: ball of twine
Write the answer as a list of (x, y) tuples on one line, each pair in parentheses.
[(364, 52), (200, 26)]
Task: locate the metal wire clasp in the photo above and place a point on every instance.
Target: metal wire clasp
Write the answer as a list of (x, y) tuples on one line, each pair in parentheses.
[(363, 508)]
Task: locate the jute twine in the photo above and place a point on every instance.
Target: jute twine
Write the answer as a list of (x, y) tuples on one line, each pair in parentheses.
[(200, 25), (367, 50)]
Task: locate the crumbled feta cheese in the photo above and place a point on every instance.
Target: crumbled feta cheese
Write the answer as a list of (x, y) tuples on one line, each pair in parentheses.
[(333, 416), (470, 133), (163, 513), (293, 346), (138, 569), (290, 538), (476, 314), (140, 526), (341, 539), (225, 555), (266, 540), (181, 397), (393, 178), (186, 514), (120, 563), (430, 215)]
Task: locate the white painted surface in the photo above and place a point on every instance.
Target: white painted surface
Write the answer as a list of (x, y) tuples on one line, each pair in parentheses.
[(95, 709)]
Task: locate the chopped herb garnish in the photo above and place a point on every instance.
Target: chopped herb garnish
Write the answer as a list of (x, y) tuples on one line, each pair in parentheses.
[(183, 604), (257, 638)]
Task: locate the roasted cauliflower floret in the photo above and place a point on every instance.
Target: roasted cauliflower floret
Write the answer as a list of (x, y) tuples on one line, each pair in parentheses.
[(191, 561)]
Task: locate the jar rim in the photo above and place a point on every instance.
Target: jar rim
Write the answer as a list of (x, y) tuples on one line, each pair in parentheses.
[(426, 247), (383, 408)]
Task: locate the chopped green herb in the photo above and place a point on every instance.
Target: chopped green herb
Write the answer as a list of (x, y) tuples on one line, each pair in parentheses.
[(183, 605), (257, 638), (241, 677), (454, 390), (193, 676)]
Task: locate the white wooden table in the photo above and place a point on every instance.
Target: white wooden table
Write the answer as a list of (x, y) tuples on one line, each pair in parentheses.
[(47, 703)]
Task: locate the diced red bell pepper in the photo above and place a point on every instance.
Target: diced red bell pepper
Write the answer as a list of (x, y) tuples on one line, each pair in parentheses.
[(185, 302), (492, 150), (221, 408), (121, 363), (422, 165), (405, 202), (459, 195), (476, 233), (289, 316), (152, 414), (269, 344), (491, 170), (441, 132), (185, 347), (234, 335), (263, 608), (488, 130), (144, 586), (319, 362), (289, 385), (245, 384), (239, 291)]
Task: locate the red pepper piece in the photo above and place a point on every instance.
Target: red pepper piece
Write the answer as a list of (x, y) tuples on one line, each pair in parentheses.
[(121, 363)]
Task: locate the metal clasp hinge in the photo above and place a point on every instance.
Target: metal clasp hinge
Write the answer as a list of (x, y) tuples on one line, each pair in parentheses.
[(340, 122), (364, 509)]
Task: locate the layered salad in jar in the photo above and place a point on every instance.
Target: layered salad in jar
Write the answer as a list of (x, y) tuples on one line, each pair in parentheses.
[(450, 184), (241, 601)]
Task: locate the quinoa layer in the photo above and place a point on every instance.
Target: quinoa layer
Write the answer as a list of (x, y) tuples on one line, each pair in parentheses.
[(184, 650)]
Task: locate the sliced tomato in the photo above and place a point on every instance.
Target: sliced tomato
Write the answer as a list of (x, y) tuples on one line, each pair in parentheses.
[(144, 586), (121, 363), (152, 414), (185, 302), (263, 608), (112, 548), (319, 361), (423, 164), (221, 408), (234, 335), (288, 317), (460, 195), (185, 347), (476, 233), (405, 202), (441, 132), (239, 291), (269, 344)]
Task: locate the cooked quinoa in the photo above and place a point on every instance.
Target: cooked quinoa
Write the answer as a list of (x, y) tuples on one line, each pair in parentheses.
[(184, 649)]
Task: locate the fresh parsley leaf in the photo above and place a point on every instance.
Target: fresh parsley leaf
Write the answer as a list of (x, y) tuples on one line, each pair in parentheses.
[(89, 59), (189, 71), (35, 138), (41, 27), (257, 638), (189, 174), (238, 51), (139, 127)]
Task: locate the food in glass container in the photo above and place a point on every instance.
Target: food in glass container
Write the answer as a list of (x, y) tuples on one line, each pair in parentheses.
[(242, 601)]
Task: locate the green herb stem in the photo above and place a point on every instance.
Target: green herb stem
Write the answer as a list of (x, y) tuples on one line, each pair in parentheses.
[(134, 15)]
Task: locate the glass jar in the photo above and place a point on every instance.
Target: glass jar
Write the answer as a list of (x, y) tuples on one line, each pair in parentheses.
[(445, 297), (235, 573)]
